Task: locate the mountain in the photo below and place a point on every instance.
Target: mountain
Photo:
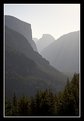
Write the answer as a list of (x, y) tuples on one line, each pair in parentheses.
[(26, 70), (35, 39), (21, 27), (63, 54), (44, 41)]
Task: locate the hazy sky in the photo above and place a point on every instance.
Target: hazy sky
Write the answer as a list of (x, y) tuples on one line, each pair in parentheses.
[(54, 19)]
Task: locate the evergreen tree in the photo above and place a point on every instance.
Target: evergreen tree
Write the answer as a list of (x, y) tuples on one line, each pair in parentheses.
[(8, 108), (32, 107), (14, 105), (68, 101), (24, 106), (46, 103), (37, 103)]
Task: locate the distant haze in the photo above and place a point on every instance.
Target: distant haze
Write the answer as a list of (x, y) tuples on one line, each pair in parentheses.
[(54, 19), (63, 54)]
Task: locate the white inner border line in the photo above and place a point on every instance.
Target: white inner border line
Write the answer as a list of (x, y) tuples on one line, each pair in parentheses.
[(4, 83)]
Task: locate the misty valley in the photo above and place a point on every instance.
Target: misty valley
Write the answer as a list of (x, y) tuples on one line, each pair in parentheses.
[(42, 77)]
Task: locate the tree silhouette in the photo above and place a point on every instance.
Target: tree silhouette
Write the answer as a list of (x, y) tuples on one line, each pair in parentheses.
[(46, 103)]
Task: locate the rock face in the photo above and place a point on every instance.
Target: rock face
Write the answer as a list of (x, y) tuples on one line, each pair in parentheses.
[(35, 39), (43, 42), (63, 54), (20, 27), (26, 70)]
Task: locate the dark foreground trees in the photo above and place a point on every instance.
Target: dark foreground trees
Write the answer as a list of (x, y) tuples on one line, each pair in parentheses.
[(46, 103), (68, 100)]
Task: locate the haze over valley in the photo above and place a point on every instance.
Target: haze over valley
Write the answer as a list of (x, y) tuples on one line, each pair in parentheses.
[(23, 62)]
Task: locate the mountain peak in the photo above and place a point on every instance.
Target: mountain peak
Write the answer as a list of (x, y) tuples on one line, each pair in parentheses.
[(47, 36), (21, 27), (63, 54), (44, 41), (13, 18)]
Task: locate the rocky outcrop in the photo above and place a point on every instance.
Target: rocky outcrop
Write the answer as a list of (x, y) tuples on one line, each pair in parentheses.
[(22, 28)]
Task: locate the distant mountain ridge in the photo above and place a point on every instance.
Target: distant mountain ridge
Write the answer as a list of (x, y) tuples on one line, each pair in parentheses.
[(44, 41), (26, 70), (63, 54)]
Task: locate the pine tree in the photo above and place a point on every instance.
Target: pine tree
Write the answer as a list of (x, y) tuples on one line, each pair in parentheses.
[(46, 103), (32, 107), (24, 106), (69, 98), (8, 108), (14, 105)]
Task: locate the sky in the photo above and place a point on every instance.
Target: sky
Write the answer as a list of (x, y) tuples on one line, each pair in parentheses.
[(54, 19)]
